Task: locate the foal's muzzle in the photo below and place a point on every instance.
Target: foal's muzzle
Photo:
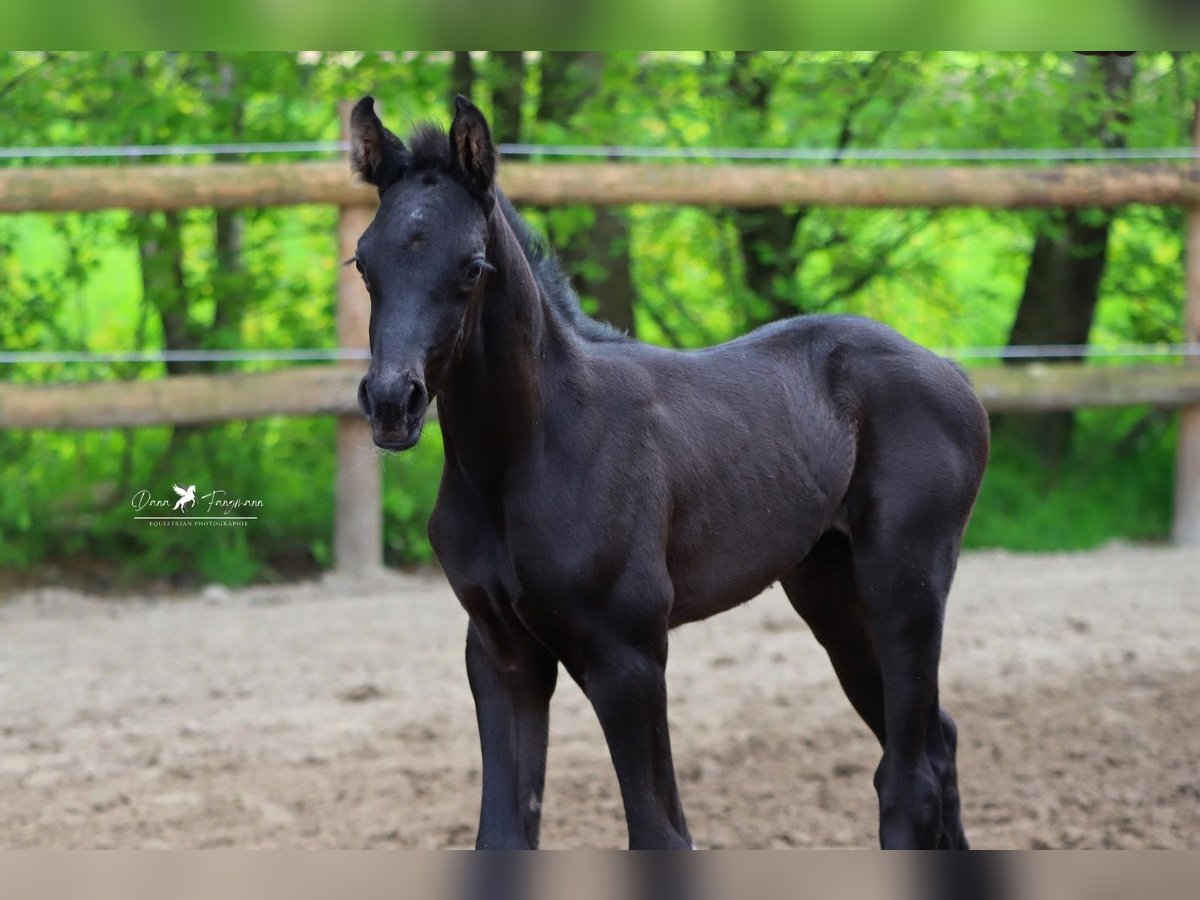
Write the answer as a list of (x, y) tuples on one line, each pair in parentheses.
[(395, 402)]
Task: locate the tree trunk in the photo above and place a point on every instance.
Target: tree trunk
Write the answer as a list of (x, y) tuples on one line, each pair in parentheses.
[(598, 258), (229, 286), (508, 94), (1066, 265), (765, 236), (160, 247), (568, 78), (771, 250), (599, 262), (164, 289), (1058, 305), (161, 251), (229, 281), (462, 75)]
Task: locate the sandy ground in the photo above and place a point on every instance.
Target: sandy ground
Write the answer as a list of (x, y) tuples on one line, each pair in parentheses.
[(334, 714)]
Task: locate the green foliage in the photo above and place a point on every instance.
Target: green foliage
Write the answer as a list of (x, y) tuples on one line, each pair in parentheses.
[(410, 485), (1117, 483), (108, 281)]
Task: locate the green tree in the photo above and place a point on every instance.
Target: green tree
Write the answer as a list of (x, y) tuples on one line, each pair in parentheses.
[(593, 243), (1070, 248)]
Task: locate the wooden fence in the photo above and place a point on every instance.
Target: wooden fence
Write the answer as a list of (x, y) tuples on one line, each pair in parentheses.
[(331, 390), (317, 390), (231, 185)]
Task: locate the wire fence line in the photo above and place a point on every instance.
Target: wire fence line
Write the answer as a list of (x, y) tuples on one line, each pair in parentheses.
[(314, 354), (1072, 351), (340, 354), (139, 150), (797, 154), (820, 154)]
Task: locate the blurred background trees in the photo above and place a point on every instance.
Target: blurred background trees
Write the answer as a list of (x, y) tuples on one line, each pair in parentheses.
[(677, 276)]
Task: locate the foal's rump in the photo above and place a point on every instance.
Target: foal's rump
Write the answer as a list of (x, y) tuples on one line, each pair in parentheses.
[(922, 434)]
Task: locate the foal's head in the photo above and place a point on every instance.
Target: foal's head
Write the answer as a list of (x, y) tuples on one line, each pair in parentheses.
[(422, 258)]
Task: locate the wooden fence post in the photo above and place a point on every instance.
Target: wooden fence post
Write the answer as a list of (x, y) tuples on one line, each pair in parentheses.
[(1187, 468), (358, 513)]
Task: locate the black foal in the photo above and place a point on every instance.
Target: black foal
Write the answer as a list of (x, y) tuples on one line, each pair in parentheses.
[(598, 491)]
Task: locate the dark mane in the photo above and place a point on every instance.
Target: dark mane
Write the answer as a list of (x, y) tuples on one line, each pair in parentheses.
[(555, 285), (429, 148)]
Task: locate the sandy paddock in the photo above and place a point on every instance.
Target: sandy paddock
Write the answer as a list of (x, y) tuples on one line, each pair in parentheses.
[(336, 714)]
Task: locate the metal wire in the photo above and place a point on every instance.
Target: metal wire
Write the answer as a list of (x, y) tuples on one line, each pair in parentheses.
[(862, 155), (806, 154), (19, 357), (1072, 351), (1026, 351), (135, 150)]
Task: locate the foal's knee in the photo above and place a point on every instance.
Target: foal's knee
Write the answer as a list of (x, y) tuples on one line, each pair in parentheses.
[(623, 676)]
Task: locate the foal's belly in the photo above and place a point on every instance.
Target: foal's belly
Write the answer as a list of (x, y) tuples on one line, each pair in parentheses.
[(720, 560), (756, 459), (742, 521)]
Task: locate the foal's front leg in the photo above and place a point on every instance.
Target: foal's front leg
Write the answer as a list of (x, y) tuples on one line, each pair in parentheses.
[(512, 685), (625, 680)]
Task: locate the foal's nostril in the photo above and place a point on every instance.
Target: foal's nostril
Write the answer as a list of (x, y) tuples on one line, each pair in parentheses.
[(364, 398), (417, 398)]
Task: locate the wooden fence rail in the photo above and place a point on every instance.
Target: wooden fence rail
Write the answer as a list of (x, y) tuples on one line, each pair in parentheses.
[(231, 185), (332, 390)]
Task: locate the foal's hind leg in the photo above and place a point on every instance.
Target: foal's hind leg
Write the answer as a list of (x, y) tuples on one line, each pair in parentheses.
[(823, 590), (903, 589)]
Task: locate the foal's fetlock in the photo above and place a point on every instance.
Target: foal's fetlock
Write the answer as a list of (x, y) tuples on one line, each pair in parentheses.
[(911, 826), (910, 807), (953, 837)]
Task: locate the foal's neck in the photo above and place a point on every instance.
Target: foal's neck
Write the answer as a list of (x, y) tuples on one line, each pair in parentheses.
[(494, 407)]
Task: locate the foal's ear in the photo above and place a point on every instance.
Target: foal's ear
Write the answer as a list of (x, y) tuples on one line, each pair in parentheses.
[(375, 153), (472, 150)]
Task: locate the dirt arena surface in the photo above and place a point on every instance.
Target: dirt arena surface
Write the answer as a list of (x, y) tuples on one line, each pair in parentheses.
[(336, 714)]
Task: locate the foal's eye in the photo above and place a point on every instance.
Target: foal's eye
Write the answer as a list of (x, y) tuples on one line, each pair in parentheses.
[(474, 271), (358, 265)]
